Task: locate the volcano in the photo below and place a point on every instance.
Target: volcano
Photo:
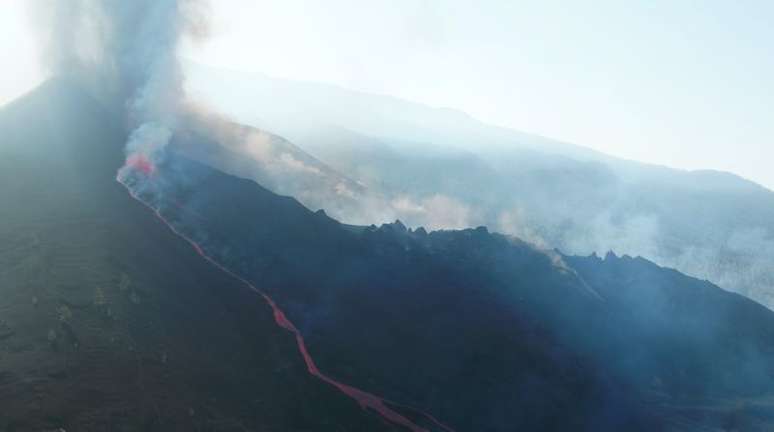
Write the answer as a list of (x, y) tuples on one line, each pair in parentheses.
[(110, 321), (183, 298)]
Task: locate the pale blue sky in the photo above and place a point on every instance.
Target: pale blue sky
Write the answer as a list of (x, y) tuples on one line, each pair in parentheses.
[(689, 84)]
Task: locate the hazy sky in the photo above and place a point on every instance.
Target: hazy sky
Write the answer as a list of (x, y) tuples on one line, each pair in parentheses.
[(683, 83), (18, 52)]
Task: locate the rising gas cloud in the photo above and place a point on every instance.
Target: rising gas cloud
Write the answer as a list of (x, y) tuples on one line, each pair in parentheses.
[(125, 54)]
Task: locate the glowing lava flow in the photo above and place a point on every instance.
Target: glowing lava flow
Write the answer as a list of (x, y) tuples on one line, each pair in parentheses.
[(363, 398), (141, 163)]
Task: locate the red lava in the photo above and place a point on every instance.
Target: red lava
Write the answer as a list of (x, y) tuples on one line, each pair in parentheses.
[(364, 399), (141, 163)]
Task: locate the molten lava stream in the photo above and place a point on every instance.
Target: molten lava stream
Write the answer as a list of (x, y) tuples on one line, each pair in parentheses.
[(366, 400)]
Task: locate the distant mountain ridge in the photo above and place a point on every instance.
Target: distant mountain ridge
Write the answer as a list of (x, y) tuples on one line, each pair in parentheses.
[(443, 169), (322, 105)]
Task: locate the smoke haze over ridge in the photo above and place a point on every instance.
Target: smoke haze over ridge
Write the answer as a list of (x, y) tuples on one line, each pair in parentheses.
[(126, 53)]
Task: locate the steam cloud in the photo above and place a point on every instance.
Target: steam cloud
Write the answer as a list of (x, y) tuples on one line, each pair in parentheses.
[(125, 53)]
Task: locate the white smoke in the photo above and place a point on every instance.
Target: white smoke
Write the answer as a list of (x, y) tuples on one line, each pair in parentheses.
[(125, 54)]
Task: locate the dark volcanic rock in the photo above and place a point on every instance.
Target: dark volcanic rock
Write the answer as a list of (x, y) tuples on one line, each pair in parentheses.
[(115, 323), (484, 331)]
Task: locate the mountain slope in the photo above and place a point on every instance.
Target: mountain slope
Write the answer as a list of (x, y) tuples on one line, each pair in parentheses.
[(267, 159), (710, 225), (108, 320), (480, 330)]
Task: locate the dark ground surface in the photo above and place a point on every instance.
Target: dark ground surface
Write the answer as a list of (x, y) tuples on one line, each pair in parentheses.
[(111, 322), (486, 332), (108, 321)]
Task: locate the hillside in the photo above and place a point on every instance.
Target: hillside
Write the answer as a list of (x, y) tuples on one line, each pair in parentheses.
[(113, 320), (440, 168), (481, 330), (108, 320)]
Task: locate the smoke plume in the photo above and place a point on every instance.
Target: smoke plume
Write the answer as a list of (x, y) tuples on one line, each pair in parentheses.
[(125, 54)]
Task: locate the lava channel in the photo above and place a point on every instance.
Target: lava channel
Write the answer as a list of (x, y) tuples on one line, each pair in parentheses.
[(364, 399)]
